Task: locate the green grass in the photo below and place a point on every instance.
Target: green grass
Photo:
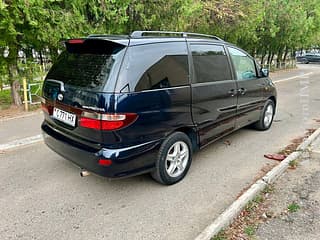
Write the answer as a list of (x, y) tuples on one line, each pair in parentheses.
[(254, 203), (250, 230), (293, 207), (220, 236), (293, 163), (5, 99), (268, 189)]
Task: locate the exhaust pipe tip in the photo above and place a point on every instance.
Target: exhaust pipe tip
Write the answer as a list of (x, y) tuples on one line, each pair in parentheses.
[(84, 173)]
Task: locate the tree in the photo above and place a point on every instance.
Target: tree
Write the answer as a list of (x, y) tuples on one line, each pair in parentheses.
[(268, 28)]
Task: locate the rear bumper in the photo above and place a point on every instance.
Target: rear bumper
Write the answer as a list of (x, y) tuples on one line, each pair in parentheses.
[(128, 161)]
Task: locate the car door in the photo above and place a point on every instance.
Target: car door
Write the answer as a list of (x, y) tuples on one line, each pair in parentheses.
[(249, 87), (213, 91)]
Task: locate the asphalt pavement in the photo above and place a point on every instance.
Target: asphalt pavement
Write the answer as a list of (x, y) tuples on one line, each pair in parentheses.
[(20, 127), (43, 197)]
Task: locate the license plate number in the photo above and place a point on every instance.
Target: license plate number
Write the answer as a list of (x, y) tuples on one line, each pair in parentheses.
[(65, 117)]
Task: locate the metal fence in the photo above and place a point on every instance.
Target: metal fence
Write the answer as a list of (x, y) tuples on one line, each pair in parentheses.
[(34, 92)]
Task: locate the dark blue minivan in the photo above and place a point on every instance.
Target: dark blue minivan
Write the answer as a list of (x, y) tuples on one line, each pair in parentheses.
[(125, 105)]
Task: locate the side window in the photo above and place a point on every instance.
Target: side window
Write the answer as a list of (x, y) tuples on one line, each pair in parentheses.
[(154, 66), (210, 63), (244, 65)]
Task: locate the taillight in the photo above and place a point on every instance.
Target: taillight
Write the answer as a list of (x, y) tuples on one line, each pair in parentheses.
[(106, 121), (44, 108)]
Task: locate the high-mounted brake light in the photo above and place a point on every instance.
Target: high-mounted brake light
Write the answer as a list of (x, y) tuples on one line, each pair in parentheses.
[(106, 121), (76, 41)]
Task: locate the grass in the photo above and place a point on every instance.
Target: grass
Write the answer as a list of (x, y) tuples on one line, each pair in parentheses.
[(293, 207), (268, 189), (254, 203), (293, 164), (220, 236), (250, 230), (5, 99)]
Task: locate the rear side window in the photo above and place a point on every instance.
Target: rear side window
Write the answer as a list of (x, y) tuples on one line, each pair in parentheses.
[(86, 65), (210, 63), (244, 65), (154, 66)]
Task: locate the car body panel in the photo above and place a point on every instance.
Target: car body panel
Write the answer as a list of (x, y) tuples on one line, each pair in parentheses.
[(213, 109)]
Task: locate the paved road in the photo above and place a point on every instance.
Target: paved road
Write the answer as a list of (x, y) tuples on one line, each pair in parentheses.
[(43, 197), (20, 127)]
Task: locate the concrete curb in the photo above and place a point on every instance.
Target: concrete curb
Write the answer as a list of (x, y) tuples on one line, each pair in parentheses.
[(226, 218), (21, 142), (5, 119)]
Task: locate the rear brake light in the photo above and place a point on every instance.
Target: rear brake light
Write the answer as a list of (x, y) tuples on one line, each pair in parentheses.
[(90, 123), (76, 41), (105, 162), (107, 121)]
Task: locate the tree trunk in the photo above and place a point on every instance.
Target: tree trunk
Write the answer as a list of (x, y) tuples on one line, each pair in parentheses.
[(13, 75), (263, 58), (279, 58), (15, 89), (41, 58), (285, 55), (271, 58)]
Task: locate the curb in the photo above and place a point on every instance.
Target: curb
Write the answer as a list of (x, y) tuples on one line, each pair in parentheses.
[(5, 119), (226, 218), (21, 142)]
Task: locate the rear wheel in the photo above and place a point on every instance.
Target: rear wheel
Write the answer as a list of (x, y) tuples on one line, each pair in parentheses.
[(174, 159), (266, 117)]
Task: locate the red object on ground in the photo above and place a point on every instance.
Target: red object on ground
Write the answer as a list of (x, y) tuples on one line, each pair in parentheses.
[(275, 156)]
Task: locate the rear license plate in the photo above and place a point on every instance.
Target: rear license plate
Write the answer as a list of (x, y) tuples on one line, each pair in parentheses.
[(65, 117)]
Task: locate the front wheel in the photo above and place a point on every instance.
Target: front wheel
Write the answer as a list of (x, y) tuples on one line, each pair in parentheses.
[(266, 117), (174, 159)]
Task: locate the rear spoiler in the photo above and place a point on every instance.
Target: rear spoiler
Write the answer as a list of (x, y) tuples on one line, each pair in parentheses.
[(95, 45)]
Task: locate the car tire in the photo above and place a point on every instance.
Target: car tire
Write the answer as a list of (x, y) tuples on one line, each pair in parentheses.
[(266, 117), (173, 160)]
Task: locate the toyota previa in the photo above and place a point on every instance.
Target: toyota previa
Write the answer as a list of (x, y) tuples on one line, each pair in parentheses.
[(120, 105)]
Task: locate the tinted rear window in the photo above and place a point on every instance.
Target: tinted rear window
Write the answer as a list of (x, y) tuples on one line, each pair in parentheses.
[(86, 65)]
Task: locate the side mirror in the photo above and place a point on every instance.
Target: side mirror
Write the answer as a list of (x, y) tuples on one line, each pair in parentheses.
[(264, 72)]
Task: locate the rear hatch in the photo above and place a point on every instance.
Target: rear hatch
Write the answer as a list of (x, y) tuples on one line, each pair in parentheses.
[(79, 88)]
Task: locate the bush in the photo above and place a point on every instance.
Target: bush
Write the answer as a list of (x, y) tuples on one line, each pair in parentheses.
[(5, 99)]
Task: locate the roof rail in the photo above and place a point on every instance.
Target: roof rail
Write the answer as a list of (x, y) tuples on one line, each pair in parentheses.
[(107, 36), (141, 34)]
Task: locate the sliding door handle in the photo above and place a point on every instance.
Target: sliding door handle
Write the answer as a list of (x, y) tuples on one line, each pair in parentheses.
[(242, 91), (232, 92)]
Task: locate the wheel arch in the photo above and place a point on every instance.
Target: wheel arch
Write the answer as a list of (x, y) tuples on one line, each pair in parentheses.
[(273, 98), (191, 132)]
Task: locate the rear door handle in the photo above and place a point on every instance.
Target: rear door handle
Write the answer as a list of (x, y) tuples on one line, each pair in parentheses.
[(242, 91)]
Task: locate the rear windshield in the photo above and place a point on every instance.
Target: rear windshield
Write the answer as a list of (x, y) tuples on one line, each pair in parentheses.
[(86, 65)]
